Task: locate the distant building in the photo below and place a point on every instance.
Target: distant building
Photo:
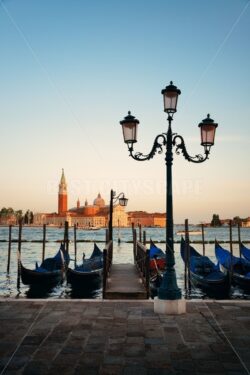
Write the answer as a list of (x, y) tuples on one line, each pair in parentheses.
[(62, 196), (146, 219), (9, 219), (246, 222), (87, 216)]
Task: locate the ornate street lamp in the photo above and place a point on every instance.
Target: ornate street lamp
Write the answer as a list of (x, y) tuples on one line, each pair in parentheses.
[(169, 289), (208, 128), (170, 98), (129, 127), (123, 201)]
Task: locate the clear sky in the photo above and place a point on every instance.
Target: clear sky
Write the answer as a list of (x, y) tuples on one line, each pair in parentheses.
[(70, 71)]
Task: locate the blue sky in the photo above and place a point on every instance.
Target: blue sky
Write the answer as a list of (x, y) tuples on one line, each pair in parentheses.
[(70, 71)]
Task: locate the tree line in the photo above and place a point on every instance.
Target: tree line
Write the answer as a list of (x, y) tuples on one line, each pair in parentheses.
[(20, 217), (216, 221)]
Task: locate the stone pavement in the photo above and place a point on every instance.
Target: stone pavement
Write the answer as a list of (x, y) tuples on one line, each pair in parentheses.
[(123, 337)]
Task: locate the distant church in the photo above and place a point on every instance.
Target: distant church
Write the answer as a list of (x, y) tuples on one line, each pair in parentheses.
[(87, 216)]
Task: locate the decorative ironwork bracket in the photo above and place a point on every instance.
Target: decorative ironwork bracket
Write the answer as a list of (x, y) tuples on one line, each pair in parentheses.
[(115, 198), (179, 143), (156, 146), (160, 141)]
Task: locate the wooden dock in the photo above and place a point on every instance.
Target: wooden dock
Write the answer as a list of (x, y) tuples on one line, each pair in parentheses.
[(124, 282)]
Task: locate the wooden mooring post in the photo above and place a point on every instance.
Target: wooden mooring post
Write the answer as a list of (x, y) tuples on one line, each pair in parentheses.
[(187, 258), (9, 249), (144, 238), (203, 239), (106, 235), (133, 227), (66, 236), (119, 234), (140, 237), (75, 244), (19, 255), (134, 244), (44, 241), (239, 239), (231, 249)]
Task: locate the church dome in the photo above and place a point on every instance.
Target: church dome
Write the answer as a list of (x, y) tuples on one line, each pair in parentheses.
[(99, 201)]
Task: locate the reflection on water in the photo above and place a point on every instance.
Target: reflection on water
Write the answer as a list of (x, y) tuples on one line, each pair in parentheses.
[(39, 292), (83, 293), (63, 291), (123, 253)]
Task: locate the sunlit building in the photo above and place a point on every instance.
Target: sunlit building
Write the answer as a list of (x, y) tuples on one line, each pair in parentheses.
[(246, 222), (146, 219), (86, 216)]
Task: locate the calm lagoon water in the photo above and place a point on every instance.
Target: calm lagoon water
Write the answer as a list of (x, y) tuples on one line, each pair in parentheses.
[(123, 253)]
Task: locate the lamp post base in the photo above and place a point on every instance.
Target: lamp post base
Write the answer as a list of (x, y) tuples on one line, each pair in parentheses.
[(169, 289), (169, 307)]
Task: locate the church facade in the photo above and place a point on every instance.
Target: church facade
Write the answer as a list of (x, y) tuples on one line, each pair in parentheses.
[(86, 216)]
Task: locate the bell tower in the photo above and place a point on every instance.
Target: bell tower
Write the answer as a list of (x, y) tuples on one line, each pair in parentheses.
[(62, 195), (78, 203)]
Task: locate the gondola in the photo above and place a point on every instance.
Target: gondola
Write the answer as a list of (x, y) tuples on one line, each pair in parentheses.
[(49, 273), (157, 265), (239, 268), (245, 251), (88, 275), (157, 258), (204, 273)]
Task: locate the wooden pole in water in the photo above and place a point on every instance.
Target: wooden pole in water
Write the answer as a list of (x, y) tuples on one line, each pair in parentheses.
[(44, 241), (9, 249), (19, 254), (239, 240), (75, 243), (66, 236), (119, 235), (140, 237), (106, 235), (132, 227), (203, 239), (134, 245), (187, 254), (231, 248), (185, 262), (144, 238)]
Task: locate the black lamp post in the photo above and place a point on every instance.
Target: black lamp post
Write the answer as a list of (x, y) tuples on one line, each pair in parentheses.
[(169, 289), (113, 199)]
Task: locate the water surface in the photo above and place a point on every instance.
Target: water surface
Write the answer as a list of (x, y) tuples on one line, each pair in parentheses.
[(123, 253)]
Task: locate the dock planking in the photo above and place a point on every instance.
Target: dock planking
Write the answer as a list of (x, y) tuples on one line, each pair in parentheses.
[(124, 282)]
